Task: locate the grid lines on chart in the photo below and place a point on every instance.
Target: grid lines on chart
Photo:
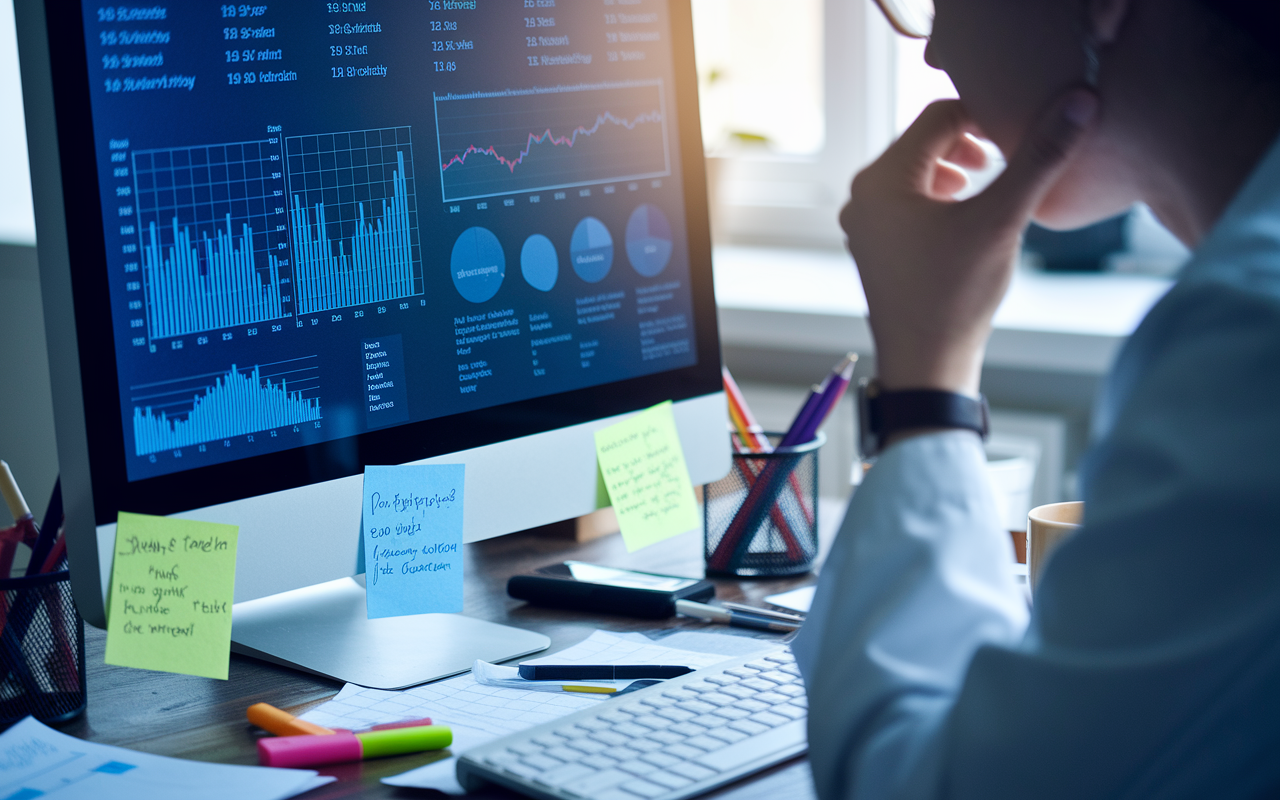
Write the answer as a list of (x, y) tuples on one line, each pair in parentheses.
[(353, 217)]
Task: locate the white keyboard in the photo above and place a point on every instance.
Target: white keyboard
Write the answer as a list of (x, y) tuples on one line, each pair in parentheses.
[(674, 740)]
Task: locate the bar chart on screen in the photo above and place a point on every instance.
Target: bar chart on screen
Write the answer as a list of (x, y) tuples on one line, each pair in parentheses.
[(547, 138), (353, 217), (196, 410), (213, 236)]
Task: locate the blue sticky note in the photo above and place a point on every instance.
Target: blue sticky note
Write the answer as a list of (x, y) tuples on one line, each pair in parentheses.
[(412, 530)]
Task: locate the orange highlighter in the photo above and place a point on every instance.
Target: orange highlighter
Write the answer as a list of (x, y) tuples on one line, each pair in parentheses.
[(282, 723)]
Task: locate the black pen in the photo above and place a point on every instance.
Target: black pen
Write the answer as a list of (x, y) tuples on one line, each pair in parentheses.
[(598, 672)]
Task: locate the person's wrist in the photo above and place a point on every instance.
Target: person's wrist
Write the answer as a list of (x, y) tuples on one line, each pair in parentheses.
[(961, 375)]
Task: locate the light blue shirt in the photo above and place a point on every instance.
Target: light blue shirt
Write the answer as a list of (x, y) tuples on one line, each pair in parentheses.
[(1150, 666)]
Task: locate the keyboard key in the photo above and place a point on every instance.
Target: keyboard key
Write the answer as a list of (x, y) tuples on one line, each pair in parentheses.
[(644, 788), (687, 729), (753, 705), (799, 700), (683, 751), (773, 698), (611, 738), (733, 713), (719, 699), (761, 666), (613, 794), (708, 721), (523, 770), (759, 684), (722, 679), (790, 711), (700, 687), (667, 737), (680, 695), (631, 730), (780, 658), (588, 746), (599, 782), (657, 701), (776, 676), (526, 748), (564, 774), (675, 714), (644, 745), (787, 737), (739, 692), (694, 772), (727, 735), (748, 727), (670, 780), (653, 722), (593, 724), (660, 760), (705, 742), (636, 767), (540, 763), (769, 718), (560, 754), (791, 691), (742, 672), (615, 716), (549, 740), (600, 761), (503, 757), (697, 707)]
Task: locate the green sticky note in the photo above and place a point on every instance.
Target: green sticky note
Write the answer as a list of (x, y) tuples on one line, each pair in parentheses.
[(644, 470), (172, 582)]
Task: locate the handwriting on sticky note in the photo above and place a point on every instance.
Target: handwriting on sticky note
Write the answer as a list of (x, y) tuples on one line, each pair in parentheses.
[(412, 522), (172, 584), (644, 470)]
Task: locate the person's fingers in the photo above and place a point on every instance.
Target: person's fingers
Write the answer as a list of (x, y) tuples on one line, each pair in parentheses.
[(1045, 150), (932, 136), (947, 181), (966, 154)]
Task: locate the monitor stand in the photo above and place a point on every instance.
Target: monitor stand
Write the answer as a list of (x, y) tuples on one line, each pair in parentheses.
[(325, 630)]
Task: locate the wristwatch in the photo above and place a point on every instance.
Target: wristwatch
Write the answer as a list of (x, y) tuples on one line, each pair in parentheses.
[(882, 414)]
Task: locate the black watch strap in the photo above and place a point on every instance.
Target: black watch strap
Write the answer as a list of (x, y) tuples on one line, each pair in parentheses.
[(883, 413)]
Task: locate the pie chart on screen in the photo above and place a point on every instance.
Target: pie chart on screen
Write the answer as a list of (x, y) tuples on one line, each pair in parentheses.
[(591, 250), (649, 240), (477, 265), (538, 263)]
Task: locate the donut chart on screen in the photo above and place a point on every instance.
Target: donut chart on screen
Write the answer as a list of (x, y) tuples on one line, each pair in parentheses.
[(591, 250), (477, 265), (649, 243)]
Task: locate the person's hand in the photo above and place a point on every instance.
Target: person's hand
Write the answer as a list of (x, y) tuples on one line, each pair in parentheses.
[(935, 269)]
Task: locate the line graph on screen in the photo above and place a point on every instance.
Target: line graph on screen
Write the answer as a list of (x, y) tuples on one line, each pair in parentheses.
[(531, 140)]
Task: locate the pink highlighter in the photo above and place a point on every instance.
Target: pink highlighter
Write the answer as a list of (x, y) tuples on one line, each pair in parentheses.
[(342, 746)]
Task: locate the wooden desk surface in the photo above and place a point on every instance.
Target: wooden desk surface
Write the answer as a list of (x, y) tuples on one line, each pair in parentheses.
[(201, 719)]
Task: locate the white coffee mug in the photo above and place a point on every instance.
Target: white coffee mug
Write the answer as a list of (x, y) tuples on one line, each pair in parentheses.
[(1047, 527)]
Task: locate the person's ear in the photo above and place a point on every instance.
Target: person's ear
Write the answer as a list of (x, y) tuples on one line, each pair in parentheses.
[(1105, 18)]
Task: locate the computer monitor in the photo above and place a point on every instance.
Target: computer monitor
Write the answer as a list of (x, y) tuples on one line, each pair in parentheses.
[(284, 239)]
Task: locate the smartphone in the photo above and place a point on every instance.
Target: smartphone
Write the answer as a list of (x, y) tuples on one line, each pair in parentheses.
[(579, 586)]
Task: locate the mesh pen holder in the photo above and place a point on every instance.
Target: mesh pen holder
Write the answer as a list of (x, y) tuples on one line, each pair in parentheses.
[(761, 520), (41, 650)]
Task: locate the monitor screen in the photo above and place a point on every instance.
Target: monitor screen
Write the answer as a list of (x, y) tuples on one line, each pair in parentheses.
[(325, 234)]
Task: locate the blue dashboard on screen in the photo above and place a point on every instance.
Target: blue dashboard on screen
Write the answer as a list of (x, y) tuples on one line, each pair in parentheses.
[(327, 218)]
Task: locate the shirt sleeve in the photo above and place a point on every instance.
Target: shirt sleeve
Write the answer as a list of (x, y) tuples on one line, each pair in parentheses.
[(919, 577), (1153, 653)]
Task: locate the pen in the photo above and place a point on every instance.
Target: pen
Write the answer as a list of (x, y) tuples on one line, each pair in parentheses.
[(342, 746), (762, 612), (598, 672), (736, 618)]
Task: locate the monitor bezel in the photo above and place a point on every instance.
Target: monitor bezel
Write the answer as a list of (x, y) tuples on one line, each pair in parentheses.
[(201, 487)]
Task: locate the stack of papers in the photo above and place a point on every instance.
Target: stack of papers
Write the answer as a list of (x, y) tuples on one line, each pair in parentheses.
[(37, 761), (479, 713)]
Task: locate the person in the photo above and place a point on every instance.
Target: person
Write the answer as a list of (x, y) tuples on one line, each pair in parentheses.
[(1149, 664)]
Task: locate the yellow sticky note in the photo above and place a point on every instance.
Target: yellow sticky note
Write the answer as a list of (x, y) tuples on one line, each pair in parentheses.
[(171, 588), (644, 470)]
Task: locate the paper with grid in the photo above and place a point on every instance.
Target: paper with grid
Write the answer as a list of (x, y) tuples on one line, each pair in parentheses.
[(462, 702), (480, 713)]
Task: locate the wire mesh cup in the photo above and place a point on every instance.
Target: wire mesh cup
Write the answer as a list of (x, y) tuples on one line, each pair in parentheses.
[(41, 650), (761, 520)]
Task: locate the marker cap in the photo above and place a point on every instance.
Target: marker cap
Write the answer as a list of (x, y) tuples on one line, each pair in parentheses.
[(309, 751)]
